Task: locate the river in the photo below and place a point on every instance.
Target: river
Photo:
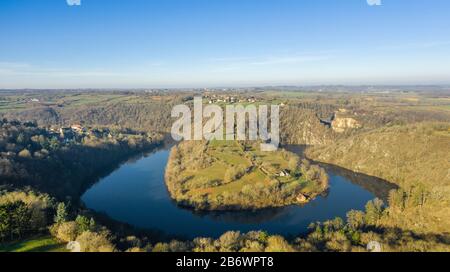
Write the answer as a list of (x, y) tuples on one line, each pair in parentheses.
[(136, 194)]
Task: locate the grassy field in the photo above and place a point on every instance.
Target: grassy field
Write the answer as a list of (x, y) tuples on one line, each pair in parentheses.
[(27, 101), (37, 244)]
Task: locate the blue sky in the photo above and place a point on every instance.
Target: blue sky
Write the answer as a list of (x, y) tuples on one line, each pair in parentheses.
[(206, 43)]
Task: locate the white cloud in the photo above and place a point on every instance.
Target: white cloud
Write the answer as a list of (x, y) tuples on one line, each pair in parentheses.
[(374, 2), (73, 2)]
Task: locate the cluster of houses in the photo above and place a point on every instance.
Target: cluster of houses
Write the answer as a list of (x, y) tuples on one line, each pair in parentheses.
[(78, 131), (217, 98)]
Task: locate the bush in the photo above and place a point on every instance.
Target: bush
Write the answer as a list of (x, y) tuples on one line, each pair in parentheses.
[(278, 244), (95, 242), (374, 211), (204, 245), (161, 247), (230, 241), (355, 219), (25, 154), (66, 231)]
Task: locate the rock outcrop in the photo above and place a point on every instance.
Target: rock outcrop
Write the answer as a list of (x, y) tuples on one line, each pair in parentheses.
[(341, 123)]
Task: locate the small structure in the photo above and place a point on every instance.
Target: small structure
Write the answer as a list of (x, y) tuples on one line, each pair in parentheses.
[(284, 173)]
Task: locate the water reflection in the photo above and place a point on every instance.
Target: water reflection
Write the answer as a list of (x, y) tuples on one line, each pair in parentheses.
[(135, 193), (379, 187)]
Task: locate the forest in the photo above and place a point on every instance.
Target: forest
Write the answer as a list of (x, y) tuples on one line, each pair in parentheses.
[(60, 162)]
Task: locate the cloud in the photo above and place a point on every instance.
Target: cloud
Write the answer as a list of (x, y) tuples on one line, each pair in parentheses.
[(374, 2), (73, 2)]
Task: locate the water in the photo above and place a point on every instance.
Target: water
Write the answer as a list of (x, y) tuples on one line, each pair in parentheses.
[(136, 194)]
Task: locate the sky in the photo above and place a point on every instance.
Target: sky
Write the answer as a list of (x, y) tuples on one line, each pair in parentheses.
[(218, 43)]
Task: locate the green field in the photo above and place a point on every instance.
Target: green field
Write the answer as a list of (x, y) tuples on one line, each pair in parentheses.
[(9, 103), (38, 244)]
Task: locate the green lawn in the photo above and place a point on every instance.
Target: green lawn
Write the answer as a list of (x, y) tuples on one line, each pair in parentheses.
[(37, 244)]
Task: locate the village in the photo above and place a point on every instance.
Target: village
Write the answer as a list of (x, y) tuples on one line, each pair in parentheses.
[(77, 132), (228, 99)]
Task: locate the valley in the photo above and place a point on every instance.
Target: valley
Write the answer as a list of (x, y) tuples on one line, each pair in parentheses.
[(391, 148)]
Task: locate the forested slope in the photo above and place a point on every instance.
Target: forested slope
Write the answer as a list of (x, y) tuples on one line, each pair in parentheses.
[(415, 157)]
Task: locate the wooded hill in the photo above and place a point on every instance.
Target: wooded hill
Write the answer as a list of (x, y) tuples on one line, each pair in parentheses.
[(415, 157)]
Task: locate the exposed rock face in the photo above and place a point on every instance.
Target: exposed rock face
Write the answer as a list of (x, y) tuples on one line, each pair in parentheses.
[(340, 124)]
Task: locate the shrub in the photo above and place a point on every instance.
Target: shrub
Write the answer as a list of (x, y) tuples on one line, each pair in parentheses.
[(355, 219), (25, 154), (66, 231), (230, 241), (161, 247), (374, 211), (204, 245), (95, 242), (278, 244)]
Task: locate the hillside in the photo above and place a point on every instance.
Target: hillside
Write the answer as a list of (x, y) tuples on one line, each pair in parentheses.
[(415, 157)]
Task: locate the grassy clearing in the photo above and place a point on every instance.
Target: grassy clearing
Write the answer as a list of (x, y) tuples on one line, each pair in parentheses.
[(38, 244)]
